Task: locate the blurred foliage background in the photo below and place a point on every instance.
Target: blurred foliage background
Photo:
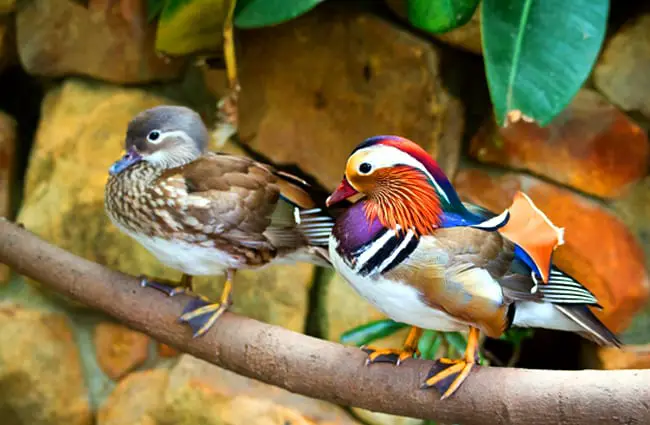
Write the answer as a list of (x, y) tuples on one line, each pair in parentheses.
[(549, 97)]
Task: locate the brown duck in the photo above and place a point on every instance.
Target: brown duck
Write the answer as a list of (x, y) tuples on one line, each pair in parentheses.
[(207, 213)]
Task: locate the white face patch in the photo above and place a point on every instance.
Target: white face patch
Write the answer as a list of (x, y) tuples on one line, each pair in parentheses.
[(381, 156)]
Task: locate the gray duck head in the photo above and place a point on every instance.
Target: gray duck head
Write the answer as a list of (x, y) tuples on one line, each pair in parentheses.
[(164, 136)]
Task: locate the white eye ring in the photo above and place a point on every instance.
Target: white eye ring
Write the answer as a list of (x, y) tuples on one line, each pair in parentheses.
[(154, 136)]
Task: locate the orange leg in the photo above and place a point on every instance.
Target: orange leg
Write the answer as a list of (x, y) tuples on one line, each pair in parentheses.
[(391, 355), (448, 374)]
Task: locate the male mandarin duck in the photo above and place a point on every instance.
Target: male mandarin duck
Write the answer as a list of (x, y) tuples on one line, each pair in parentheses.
[(207, 213), (424, 258)]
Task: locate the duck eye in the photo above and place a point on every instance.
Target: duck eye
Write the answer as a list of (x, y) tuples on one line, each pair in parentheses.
[(153, 135), (365, 168)]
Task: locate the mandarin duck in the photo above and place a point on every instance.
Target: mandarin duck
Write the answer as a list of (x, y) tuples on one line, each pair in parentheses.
[(426, 259), (206, 213)]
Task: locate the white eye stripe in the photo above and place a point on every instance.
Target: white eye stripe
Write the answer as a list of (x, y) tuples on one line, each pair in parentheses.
[(165, 135), (388, 156)]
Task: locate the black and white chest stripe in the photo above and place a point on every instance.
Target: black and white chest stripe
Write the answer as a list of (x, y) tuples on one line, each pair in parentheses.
[(381, 254)]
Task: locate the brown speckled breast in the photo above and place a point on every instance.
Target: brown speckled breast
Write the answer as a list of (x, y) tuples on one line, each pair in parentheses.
[(218, 201)]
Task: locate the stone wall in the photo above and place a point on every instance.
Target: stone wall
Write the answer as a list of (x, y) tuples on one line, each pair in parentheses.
[(312, 89)]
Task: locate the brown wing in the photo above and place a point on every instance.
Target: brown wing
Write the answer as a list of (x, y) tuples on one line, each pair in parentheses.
[(456, 271), (227, 196)]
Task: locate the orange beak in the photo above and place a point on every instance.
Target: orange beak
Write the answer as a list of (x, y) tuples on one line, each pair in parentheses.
[(343, 192)]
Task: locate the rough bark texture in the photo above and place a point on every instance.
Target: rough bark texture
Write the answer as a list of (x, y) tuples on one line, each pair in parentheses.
[(328, 371)]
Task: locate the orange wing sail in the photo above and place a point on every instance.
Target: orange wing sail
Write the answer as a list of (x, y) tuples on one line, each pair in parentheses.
[(532, 230)]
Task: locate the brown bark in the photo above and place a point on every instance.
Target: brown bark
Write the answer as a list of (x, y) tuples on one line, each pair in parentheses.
[(328, 371)]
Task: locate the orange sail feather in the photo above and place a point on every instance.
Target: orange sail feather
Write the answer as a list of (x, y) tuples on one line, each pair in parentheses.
[(533, 231)]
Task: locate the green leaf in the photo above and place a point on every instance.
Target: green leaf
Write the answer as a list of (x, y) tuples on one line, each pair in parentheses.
[(154, 7), (429, 344), (517, 335), (371, 331), (191, 26), (262, 13), (457, 341), (440, 16), (539, 53)]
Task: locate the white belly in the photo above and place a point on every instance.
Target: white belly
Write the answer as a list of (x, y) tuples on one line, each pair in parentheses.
[(188, 258), (398, 301)]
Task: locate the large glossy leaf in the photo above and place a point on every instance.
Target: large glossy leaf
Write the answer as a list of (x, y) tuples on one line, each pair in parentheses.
[(538, 53), (262, 13), (370, 331), (440, 16), (190, 26)]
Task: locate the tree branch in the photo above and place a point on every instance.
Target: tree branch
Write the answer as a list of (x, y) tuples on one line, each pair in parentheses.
[(329, 371)]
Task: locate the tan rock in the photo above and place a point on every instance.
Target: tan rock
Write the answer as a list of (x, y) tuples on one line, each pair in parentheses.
[(248, 410), (238, 395), (60, 37), (135, 399), (7, 6), (591, 146), (312, 102), (7, 151), (599, 250), (41, 380), (119, 349), (466, 37), (621, 73), (201, 405), (80, 134), (196, 392), (378, 418)]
